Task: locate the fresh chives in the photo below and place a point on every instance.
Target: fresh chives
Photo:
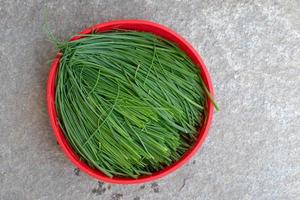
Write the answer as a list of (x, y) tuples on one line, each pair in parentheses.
[(129, 103)]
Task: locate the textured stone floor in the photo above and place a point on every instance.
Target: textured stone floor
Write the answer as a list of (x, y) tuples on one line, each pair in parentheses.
[(252, 50)]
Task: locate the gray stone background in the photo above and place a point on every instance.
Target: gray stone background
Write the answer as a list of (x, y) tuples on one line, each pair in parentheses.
[(252, 50)]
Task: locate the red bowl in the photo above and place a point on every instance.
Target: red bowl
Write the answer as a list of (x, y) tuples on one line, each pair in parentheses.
[(136, 25)]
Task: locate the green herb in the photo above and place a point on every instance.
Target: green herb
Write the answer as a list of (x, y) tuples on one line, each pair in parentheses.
[(129, 103)]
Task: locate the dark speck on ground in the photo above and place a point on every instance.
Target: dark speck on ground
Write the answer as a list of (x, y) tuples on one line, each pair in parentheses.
[(77, 171), (100, 184), (99, 189), (116, 196), (155, 187), (142, 187), (183, 184), (136, 198)]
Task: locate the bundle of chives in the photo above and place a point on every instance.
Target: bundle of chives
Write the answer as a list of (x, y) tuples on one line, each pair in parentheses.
[(129, 103)]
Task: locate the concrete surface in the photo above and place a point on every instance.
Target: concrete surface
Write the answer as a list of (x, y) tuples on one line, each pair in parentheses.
[(252, 50)]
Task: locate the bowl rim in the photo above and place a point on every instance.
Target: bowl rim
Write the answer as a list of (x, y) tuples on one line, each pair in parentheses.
[(137, 25)]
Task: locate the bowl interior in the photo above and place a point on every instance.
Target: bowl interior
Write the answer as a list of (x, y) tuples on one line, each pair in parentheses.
[(137, 25)]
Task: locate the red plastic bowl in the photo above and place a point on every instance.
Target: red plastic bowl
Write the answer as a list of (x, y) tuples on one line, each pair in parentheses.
[(137, 25)]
